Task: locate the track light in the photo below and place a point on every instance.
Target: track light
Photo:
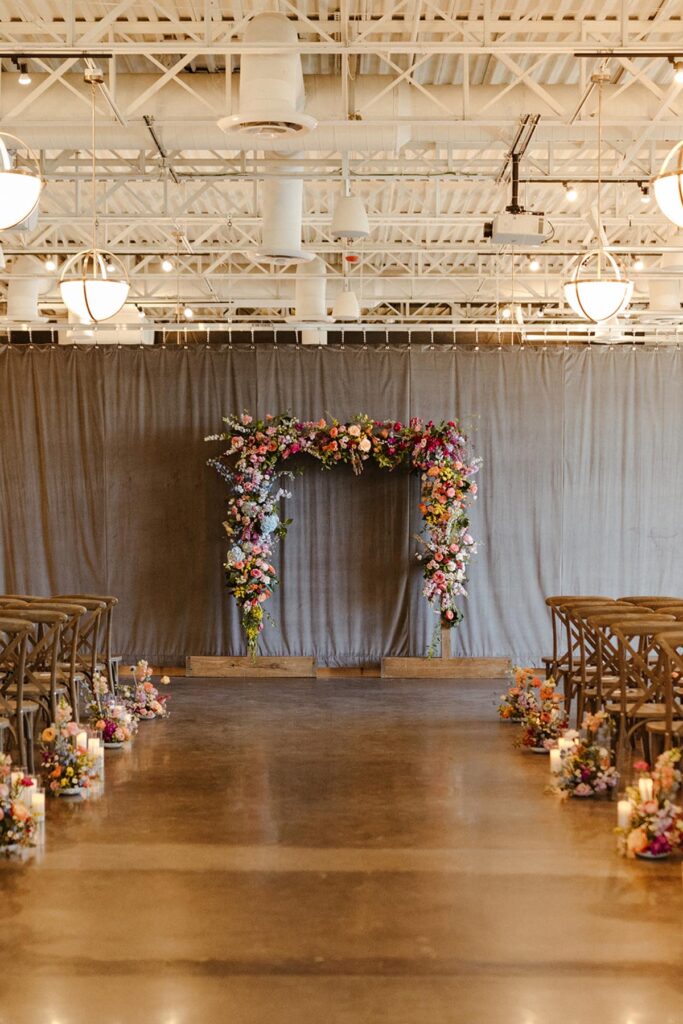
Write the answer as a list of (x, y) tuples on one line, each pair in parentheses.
[(678, 70), (570, 193), (534, 265), (166, 265), (24, 77)]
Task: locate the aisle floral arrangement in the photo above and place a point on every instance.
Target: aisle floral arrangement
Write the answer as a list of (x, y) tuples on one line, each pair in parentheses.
[(17, 825), (655, 830), (586, 766), (520, 695), (545, 718), (256, 450), (142, 699), (68, 768), (109, 716)]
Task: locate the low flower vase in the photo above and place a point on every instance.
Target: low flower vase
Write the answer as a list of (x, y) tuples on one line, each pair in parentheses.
[(646, 855), (112, 744), (71, 791), (10, 848), (538, 750), (582, 796)]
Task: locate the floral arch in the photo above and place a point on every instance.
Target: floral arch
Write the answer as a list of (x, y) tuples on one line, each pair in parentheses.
[(253, 467)]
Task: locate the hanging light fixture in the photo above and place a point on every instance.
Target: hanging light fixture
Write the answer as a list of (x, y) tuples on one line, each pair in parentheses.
[(19, 188), (668, 186), (94, 284), (598, 289)]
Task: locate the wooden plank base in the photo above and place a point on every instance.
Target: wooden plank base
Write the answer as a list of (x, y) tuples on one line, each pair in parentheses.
[(246, 668), (444, 668)]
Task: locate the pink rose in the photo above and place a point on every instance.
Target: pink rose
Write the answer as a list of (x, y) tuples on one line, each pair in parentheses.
[(354, 430)]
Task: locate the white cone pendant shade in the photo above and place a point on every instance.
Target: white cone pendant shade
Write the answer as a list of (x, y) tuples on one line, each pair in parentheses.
[(603, 293), (668, 186), (90, 291), (346, 306), (19, 188), (350, 219)]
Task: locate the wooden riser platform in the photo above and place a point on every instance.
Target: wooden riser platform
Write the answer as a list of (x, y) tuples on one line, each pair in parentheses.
[(391, 668)]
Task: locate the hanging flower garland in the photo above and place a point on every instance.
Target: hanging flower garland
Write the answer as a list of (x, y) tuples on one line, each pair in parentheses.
[(252, 467)]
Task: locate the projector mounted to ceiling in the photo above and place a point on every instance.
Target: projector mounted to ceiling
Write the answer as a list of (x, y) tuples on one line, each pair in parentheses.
[(518, 226)]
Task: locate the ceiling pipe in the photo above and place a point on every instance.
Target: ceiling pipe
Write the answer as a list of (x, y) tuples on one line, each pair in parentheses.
[(188, 120)]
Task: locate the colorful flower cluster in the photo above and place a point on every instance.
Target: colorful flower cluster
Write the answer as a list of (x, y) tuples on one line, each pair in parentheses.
[(17, 825), (142, 699), (656, 826), (252, 466), (109, 716), (520, 696), (545, 718), (586, 765), (65, 765)]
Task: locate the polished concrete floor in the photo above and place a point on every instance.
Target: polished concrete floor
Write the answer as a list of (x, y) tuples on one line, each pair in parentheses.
[(336, 851)]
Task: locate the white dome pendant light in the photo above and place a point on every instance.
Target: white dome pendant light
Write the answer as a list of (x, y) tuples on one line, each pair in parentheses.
[(19, 188), (598, 289), (94, 284), (668, 186)]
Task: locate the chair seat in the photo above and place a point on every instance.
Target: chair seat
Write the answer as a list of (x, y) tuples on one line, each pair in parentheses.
[(638, 711), (42, 687), (28, 707), (592, 691), (660, 727)]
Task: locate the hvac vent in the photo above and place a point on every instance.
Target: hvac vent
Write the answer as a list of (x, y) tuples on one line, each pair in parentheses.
[(271, 86)]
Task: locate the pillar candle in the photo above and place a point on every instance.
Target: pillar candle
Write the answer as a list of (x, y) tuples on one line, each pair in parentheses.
[(38, 805), (624, 813), (646, 787), (555, 760), (82, 739)]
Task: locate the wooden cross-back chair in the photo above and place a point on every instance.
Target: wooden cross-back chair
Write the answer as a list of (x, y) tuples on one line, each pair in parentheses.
[(670, 728), (557, 664), (640, 697), (69, 673), (14, 636), (581, 653), (45, 683), (597, 686), (88, 641), (105, 661)]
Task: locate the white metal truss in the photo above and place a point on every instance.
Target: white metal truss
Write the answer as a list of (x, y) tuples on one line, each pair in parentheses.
[(417, 100)]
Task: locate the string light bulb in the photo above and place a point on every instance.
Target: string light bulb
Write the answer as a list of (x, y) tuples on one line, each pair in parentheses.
[(188, 313), (51, 264), (645, 194), (534, 265), (24, 77), (678, 71), (639, 264), (570, 193)]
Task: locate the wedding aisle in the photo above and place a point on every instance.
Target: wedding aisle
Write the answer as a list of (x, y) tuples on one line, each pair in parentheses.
[(340, 850)]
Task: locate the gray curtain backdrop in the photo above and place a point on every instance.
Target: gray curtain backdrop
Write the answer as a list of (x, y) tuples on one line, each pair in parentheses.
[(105, 488)]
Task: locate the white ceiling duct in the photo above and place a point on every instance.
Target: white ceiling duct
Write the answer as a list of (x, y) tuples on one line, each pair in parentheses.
[(24, 288), (392, 120), (272, 94), (310, 301), (126, 327), (281, 212)]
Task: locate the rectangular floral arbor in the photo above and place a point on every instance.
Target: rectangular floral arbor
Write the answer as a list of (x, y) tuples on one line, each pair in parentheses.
[(262, 453)]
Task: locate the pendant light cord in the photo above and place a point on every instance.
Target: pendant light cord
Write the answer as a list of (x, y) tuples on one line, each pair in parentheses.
[(600, 235), (94, 174)]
